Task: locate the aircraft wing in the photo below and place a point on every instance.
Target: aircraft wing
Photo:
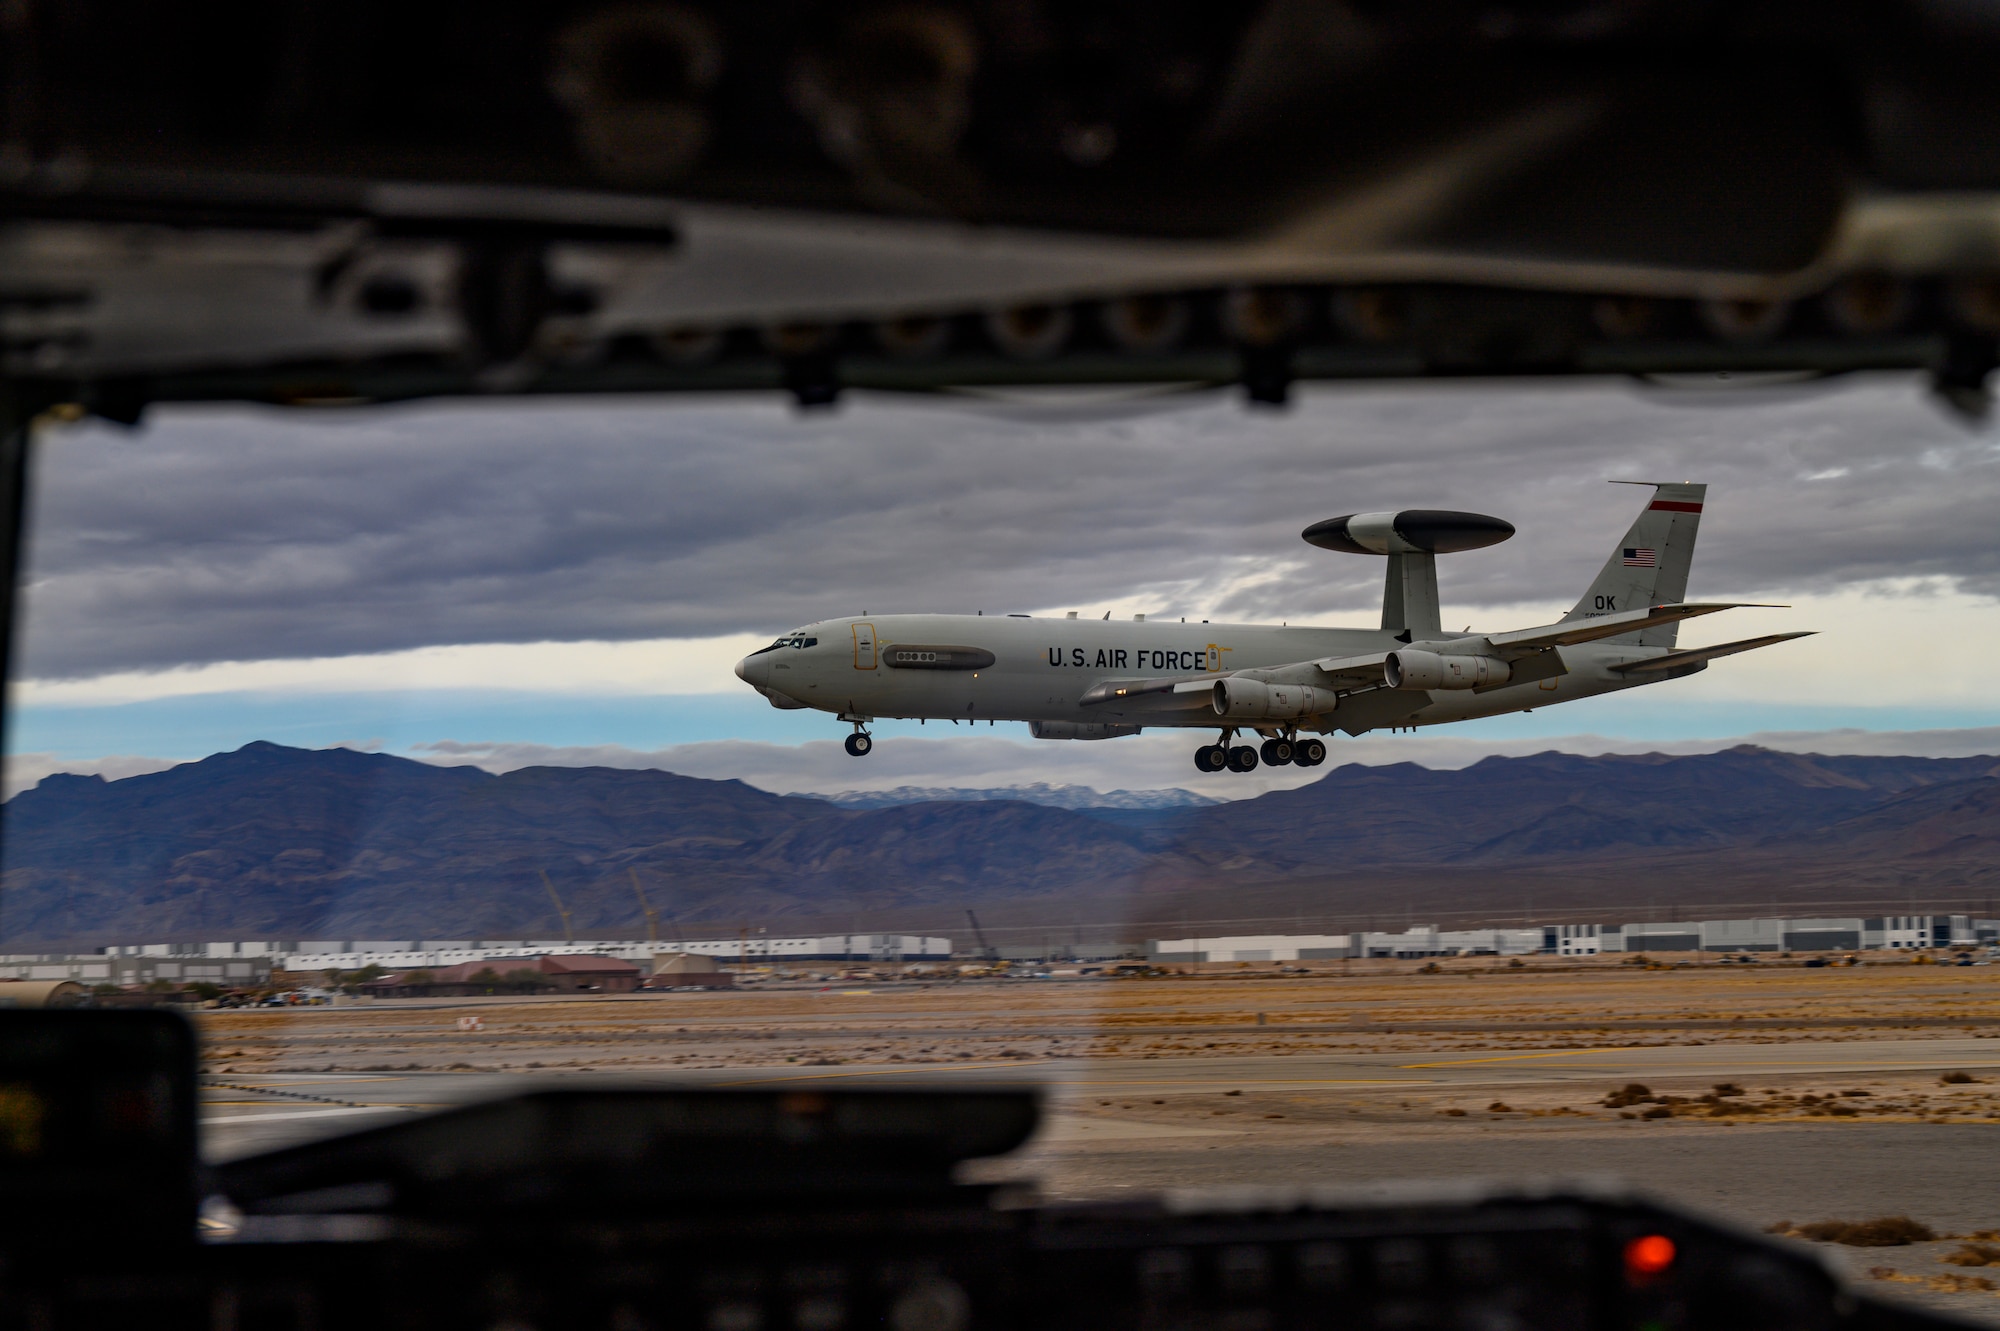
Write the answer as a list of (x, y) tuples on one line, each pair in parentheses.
[(1350, 672), (1186, 692), (1159, 694), (1693, 656), (1525, 642)]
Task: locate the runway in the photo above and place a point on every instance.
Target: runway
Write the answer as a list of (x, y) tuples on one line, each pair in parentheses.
[(284, 1108), (1118, 1125)]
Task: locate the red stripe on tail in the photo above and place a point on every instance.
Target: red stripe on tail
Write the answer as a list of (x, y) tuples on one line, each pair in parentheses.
[(1674, 506)]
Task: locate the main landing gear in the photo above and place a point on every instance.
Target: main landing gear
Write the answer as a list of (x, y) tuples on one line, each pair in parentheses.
[(1290, 749), (1215, 757), (1277, 751)]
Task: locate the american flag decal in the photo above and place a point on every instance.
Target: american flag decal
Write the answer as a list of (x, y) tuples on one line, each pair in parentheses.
[(1641, 557)]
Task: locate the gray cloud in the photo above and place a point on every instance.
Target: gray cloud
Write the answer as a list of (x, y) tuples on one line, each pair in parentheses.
[(25, 770), (242, 533)]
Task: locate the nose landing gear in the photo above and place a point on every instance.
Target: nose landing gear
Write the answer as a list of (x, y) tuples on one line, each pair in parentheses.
[(860, 742)]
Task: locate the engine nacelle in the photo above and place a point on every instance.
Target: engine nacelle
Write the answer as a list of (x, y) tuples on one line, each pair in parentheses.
[(1254, 700), (1431, 670), (1078, 730)]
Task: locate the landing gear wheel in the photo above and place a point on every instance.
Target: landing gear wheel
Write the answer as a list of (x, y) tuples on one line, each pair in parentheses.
[(1211, 758), (1278, 752), (859, 743), (1243, 759), (1310, 753)]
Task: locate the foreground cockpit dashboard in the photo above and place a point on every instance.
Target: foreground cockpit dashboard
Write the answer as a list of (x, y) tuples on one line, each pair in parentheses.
[(611, 1209)]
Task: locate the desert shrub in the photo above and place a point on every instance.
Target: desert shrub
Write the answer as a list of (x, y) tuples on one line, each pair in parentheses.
[(1632, 1093), (1887, 1231), (1973, 1254), (1956, 1079), (1955, 1284)]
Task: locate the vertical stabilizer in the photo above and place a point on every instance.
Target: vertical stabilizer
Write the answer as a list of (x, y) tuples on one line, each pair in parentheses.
[(1650, 565), (1410, 595)]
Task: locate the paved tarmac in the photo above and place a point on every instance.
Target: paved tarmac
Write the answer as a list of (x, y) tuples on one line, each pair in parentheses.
[(257, 1112), (1118, 1125)]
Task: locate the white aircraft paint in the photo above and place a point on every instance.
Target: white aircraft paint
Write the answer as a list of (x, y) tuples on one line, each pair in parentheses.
[(1077, 678)]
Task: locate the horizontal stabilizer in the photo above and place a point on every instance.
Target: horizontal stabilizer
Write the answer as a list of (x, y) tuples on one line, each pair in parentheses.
[(1694, 656), (1574, 631)]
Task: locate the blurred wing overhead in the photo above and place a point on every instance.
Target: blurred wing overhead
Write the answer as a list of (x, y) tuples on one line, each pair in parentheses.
[(380, 201)]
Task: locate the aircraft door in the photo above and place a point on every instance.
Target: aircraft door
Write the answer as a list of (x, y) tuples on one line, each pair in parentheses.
[(864, 646)]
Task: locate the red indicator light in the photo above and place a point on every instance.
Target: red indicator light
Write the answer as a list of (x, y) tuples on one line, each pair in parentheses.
[(1649, 1256)]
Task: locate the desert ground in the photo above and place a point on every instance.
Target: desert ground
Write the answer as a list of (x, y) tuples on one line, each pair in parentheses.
[(1764, 1093)]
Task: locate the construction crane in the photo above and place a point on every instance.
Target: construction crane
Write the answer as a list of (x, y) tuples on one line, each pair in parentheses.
[(987, 952), (569, 936), (652, 916)]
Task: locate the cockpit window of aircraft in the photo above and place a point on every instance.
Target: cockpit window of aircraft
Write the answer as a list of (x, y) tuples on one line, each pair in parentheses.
[(1390, 719), (1421, 782)]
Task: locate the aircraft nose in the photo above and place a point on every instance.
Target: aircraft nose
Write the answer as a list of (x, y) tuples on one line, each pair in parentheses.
[(752, 670), (743, 670)]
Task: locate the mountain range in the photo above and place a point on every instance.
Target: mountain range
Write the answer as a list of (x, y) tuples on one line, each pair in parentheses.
[(274, 842), (1041, 792)]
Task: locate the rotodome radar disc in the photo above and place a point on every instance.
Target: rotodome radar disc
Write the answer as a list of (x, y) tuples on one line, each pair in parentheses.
[(1412, 531)]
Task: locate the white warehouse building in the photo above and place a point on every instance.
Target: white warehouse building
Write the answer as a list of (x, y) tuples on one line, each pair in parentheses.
[(407, 954), (1852, 933), (1422, 941)]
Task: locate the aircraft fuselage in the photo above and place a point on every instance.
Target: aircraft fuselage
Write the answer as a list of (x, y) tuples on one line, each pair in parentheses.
[(1041, 669)]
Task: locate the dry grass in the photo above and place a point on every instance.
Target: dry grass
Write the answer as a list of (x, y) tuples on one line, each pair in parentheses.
[(1973, 1254), (1943, 1284), (1471, 1003), (1632, 1093), (1886, 1231)]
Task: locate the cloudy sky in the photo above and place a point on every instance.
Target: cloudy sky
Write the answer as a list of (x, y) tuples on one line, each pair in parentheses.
[(569, 581)]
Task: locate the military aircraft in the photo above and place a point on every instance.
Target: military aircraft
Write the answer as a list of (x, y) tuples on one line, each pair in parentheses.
[(1085, 679)]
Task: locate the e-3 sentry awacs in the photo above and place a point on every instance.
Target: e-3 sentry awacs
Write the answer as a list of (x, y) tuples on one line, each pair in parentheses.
[(1077, 678)]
